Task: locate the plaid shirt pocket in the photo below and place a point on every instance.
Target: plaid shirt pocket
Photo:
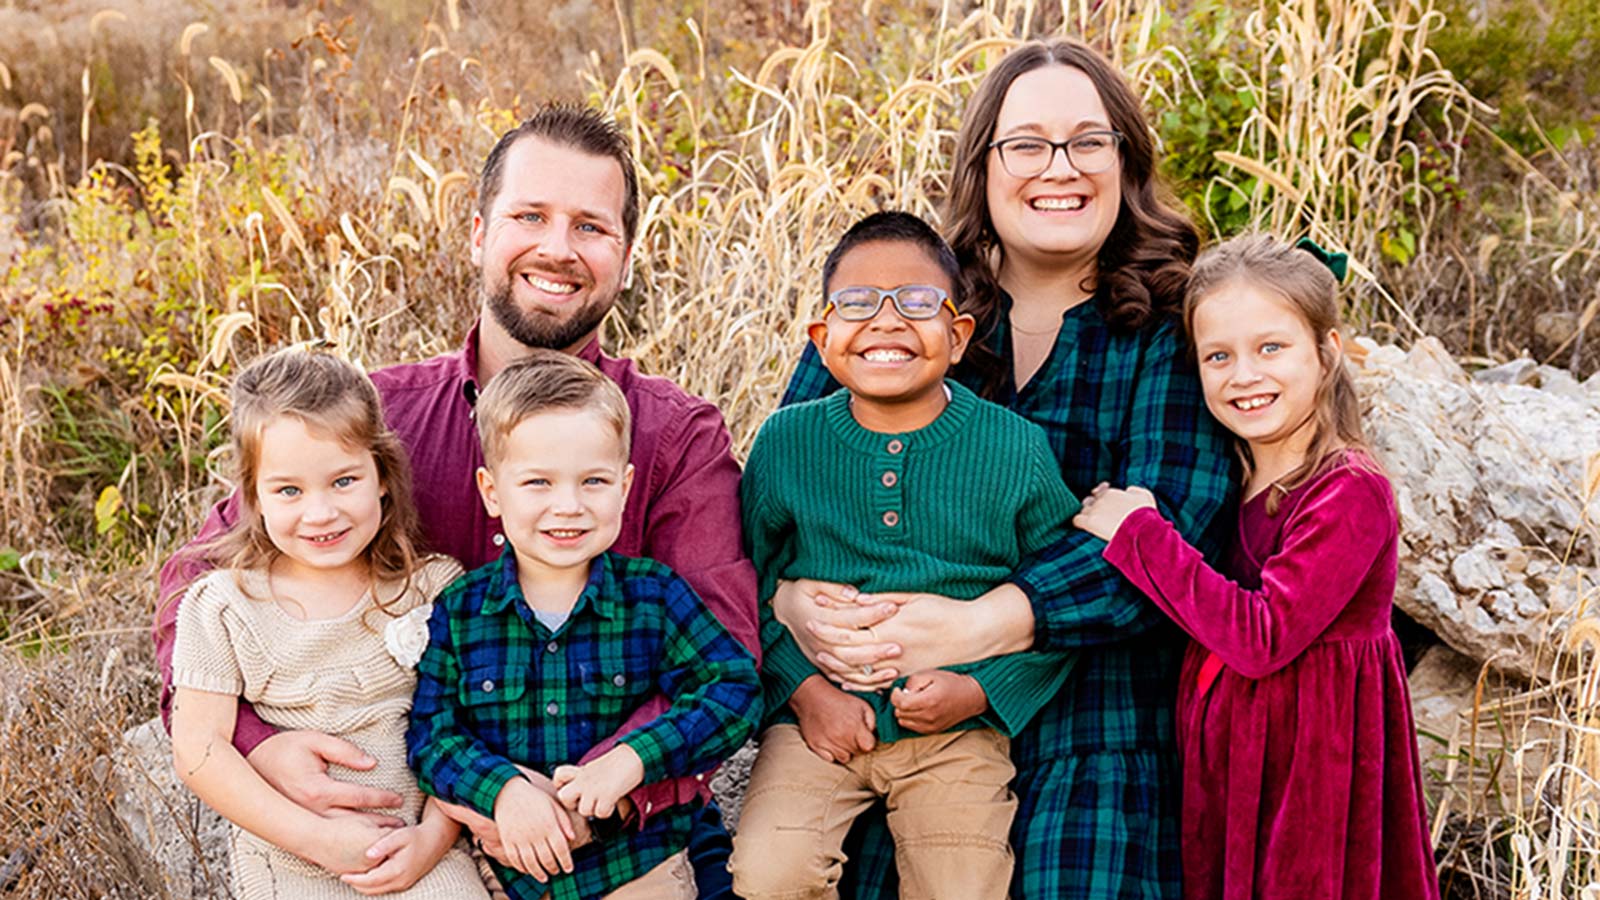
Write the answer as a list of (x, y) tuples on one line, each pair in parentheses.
[(492, 700)]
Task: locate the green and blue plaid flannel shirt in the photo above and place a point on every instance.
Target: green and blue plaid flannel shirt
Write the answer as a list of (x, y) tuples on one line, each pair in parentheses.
[(1097, 769), (495, 688)]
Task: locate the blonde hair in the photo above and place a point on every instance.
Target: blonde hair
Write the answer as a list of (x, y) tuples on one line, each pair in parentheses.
[(542, 381), (331, 397), (1310, 289)]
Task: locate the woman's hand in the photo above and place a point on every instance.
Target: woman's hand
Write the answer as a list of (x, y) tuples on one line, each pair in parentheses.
[(847, 642), (1106, 508), (864, 642)]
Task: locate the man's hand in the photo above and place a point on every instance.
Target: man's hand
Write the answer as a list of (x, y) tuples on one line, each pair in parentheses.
[(486, 834), (935, 701), (1106, 508), (594, 788), (296, 764), (835, 725), (534, 829)]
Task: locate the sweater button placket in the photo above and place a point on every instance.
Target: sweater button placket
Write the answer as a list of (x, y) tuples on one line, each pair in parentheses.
[(890, 497)]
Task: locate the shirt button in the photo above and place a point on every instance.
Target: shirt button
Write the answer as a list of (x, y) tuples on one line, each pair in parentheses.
[(895, 446), (552, 647), (890, 479), (619, 680), (552, 708), (891, 518), (499, 540), (488, 685)]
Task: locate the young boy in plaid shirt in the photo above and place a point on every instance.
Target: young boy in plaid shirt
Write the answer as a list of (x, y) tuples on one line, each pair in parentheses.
[(533, 658)]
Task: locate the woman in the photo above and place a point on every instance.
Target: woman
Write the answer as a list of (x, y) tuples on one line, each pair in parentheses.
[(1075, 270)]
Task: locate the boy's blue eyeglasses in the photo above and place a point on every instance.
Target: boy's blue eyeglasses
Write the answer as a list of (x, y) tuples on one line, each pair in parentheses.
[(914, 301)]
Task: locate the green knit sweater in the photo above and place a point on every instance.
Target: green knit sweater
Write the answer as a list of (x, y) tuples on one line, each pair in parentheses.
[(950, 509)]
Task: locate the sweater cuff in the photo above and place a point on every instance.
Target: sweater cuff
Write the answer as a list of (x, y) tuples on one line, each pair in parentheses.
[(783, 669), (1018, 685)]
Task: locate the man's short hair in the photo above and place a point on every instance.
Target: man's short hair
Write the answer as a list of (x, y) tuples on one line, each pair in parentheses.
[(898, 227), (579, 128), (545, 381)]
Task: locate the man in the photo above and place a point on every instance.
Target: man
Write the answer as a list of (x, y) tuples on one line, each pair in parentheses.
[(558, 208)]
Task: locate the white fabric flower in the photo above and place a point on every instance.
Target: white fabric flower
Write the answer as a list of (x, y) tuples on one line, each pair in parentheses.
[(407, 636)]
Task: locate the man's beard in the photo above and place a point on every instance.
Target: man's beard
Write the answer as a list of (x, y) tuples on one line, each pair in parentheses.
[(543, 330)]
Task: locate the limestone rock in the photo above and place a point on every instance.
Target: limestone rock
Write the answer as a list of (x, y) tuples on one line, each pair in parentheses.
[(1489, 478), (188, 840)]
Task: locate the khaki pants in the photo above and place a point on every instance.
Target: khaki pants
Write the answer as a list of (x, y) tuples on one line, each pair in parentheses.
[(950, 810)]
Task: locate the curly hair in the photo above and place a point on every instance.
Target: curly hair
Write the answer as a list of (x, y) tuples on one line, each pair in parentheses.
[(1143, 265)]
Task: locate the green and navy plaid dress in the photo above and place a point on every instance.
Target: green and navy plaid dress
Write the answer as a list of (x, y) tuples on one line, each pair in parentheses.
[(1097, 772), (496, 687)]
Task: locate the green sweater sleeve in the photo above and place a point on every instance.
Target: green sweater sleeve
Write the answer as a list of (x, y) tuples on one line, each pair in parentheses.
[(1018, 685), (768, 532)]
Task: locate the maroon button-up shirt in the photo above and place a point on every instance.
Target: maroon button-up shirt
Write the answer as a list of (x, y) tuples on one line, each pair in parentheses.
[(683, 509)]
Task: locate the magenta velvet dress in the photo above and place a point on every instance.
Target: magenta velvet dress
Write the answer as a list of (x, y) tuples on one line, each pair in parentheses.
[(1300, 771)]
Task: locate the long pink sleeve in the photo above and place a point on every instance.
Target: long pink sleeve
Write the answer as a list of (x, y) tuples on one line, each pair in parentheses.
[(1330, 543), (181, 570)]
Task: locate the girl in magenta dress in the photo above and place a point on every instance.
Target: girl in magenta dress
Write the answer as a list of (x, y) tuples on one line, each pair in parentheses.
[(1300, 771)]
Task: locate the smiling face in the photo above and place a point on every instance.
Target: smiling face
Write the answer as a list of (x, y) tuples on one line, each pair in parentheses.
[(893, 366), (551, 250), (1259, 366), (320, 500), (558, 487), (1061, 217)]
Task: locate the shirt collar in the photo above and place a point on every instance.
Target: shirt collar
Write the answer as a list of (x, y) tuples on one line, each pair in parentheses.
[(590, 352), (599, 593), (467, 370)]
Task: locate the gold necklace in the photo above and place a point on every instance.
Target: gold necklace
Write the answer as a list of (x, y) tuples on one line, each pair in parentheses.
[(1054, 329)]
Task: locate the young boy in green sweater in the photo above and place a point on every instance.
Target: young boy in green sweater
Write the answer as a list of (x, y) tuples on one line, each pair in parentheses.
[(902, 481)]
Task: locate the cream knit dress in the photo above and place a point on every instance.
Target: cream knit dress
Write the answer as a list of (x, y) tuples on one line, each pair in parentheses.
[(329, 675)]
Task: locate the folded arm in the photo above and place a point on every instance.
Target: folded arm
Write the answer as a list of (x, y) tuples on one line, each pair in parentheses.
[(1330, 544)]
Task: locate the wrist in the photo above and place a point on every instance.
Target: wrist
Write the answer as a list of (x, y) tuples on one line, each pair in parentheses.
[(438, 826), (1006, 625), (509, 792), (629, 763), (807, 690)]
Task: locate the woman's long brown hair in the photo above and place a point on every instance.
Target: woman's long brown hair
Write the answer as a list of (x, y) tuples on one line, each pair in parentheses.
[(1143, 265)]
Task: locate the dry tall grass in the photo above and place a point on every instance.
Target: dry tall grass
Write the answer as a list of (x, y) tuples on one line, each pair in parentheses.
[(317, 189)]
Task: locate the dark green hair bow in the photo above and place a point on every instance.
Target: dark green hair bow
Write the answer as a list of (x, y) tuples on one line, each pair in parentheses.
[(1337, 263)]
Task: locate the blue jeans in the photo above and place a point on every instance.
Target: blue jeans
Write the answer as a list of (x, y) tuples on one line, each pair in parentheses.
[(709, 847)]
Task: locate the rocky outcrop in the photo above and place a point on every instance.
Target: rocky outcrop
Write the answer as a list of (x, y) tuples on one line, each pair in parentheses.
[(1493, 474), (183, 835)]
